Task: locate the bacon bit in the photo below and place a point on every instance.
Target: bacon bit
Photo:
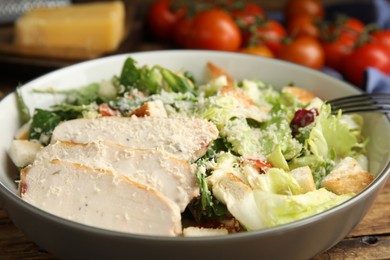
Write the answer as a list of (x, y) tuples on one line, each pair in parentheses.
[(261, 166), (106, 110)]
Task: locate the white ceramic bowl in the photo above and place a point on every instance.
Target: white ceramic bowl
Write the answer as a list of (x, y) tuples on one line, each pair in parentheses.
[(298, 240)]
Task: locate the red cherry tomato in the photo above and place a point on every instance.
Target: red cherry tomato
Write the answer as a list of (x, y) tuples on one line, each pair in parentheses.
[(181, 31), (247, 14), (306, 51), (270, 33), (161, 19), (382, 37), (313, 8), (346, 27), (214, 30), (303, 25), (373, 54), (336, 51), (260, 50)]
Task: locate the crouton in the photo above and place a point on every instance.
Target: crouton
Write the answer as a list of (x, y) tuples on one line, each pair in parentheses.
[(22, 152), (23, 131), (230, 186), (199, 231), (152, 108), (301, 94), (304, 177), (215, 72), (347, 177)]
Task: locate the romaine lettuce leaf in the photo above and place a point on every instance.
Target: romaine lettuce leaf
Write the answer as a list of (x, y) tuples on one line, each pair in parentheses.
[(275, 198), (277, 209)]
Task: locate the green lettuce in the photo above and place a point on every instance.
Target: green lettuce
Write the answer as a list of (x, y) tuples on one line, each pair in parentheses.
[(277, 209), (330, 138), (275, 198), (277, 181)]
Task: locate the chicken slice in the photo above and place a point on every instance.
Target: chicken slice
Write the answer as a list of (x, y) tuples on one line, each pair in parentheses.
[(156, 169), (99, 198), (185, 138)]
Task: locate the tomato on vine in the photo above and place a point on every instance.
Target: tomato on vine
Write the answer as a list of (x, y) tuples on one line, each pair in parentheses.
[(381, 36), (336, 50), (247, 12), (303, 25), (313, 8), (265, 32), (372, 54), (214, 30), (161, 19), (260, 50), (345, 26), (181, 31), (306, 51)]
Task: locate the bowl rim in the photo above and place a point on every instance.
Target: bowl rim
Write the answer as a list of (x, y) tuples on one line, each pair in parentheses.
[(378, 181), (14, 198)]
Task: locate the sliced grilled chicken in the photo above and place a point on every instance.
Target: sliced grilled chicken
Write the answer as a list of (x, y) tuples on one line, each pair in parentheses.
[(185, 138), (99, 198), (156, 169)]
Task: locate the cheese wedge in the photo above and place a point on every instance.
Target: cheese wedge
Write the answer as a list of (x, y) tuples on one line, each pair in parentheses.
[(91, 26)]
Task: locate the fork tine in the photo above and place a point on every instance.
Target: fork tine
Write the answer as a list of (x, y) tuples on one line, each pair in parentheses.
[(361, 97), (362, 109), (377, 102)]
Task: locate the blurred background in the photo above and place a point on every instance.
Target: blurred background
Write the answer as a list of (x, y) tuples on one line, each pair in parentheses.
[(21, 62)]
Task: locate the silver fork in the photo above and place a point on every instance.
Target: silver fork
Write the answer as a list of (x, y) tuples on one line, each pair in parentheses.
[(375, 102)]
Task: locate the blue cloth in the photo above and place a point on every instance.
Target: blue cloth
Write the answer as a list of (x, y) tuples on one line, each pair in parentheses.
[(376, 11), (376, 81), (368, 11)]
